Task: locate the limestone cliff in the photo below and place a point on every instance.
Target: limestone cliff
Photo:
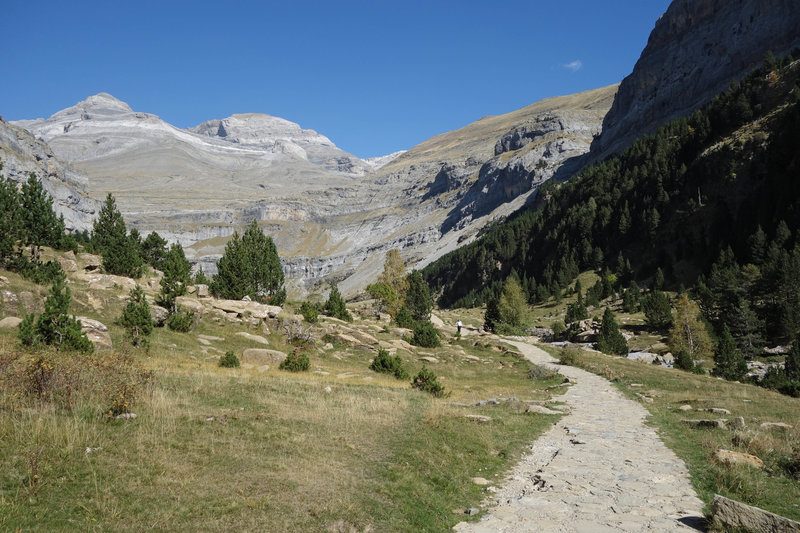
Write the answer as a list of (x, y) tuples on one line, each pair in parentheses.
[(21, 153), (332, 215), (696, 48)]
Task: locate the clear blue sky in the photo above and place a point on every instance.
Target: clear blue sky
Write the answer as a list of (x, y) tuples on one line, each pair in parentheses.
[(374, 76)]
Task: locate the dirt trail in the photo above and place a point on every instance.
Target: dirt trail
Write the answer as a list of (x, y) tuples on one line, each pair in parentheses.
[(599, 469)]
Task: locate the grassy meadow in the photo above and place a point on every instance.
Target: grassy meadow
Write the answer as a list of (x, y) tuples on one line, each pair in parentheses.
[(338, 448)]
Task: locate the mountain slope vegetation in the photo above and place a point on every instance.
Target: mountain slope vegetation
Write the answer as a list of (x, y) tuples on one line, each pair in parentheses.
[(721, 184)]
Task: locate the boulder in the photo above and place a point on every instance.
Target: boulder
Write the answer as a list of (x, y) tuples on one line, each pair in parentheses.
[(735, 515), (90, 261), (728, 457), (737, 423), (202, 291), (429, 359), (28, 302), (67, 265), (255, 338), (436, 321), (716, 410), (97, 332), (775, 426), (109, 281), (479, 418), (158, 314), (191, 304), (247, 308), (262, 356), (3, 281), (10, 322), (9, 303)]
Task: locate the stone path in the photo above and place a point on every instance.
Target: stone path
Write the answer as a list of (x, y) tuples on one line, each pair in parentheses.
[(599, 469)]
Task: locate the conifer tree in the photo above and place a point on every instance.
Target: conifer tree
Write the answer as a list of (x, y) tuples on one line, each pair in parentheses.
[(610, 340), (136, 318), (729, 362), (109, 237), (418, 297), (792, 363), (10, 226), (250, 267), (40, 224), (55, 327), (154, 250), (657, 310), (491, 318), (336, 307), (176, 278)]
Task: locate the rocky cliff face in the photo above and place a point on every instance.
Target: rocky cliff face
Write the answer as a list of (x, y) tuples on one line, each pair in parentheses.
[(21, 153), (696, 48), (333, 216)]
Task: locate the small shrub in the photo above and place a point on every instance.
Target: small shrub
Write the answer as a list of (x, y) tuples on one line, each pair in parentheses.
[(27, 330), (310, 312), (404, 318), (136, 318), (684, 361), (386, 364), (427, 381), (110, 384), (425, 335), (538, 372), (296, 361), (182, 321), (570, 356), (229, 360), (558, 329)]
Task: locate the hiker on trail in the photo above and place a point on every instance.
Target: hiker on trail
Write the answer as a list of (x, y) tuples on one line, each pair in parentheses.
[(458, 325)]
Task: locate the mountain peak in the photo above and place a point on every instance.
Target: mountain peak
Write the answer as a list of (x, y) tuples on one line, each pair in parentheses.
[(98, 104)]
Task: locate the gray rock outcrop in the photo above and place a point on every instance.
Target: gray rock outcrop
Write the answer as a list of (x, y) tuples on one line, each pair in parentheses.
[(21, 153), (695, 50), (332, 215)]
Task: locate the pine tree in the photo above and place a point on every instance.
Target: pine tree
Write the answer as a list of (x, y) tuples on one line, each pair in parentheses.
[(176, 278), (40, 224), (657, 310), (10, 226), (231, 280), (729, 362), (792, 363), (610, 340), (266, 274), (154, 250), (109, 237), (418, 297), (491, 318), (250, 267), (55, 327), (336, 307), (136, 318)]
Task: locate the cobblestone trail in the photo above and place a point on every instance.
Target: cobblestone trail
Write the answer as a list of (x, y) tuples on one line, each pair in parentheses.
[(599, 469)]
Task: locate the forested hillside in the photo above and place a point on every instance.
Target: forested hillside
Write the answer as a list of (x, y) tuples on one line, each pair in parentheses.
[(713, 197)]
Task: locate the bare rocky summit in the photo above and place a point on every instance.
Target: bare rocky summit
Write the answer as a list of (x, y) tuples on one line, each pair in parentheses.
[(333, 216), (696, 48)]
